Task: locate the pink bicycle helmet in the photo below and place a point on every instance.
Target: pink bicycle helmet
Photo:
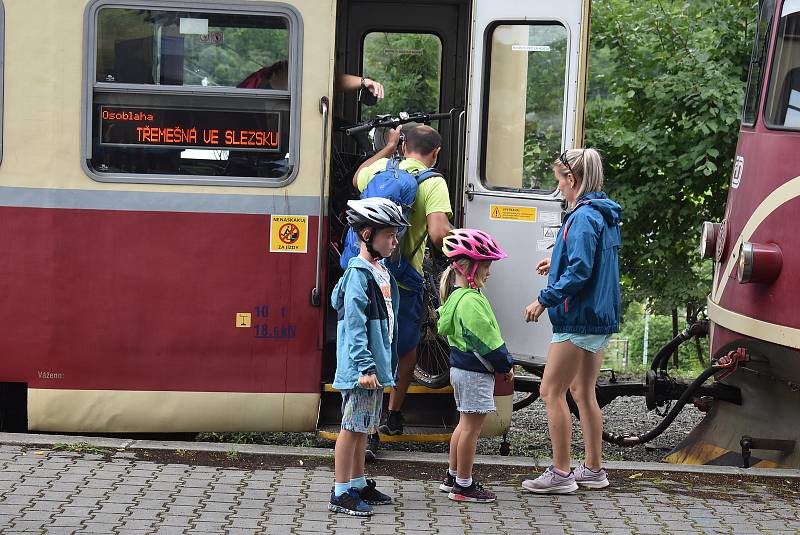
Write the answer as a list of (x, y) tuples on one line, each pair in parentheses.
[(475, 245)]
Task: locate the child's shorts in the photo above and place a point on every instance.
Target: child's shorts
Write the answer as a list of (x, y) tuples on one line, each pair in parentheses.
[(588, 342), (361, 409), (474, 391)]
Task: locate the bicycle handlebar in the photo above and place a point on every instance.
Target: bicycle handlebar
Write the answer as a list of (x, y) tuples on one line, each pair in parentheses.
[(383, 121)]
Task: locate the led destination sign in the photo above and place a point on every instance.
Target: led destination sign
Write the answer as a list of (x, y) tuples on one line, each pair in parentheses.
[(190, 128)]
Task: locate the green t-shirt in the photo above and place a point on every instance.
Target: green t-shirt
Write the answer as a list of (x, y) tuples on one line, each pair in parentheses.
[(432, 196)]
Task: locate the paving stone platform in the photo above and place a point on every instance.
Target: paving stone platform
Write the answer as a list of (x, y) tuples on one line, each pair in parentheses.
[(55, 492)]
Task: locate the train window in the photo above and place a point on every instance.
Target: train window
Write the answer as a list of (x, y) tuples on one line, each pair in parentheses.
[(207, 95), (757, 62), (409, 65), (783, 96), (524, 101)]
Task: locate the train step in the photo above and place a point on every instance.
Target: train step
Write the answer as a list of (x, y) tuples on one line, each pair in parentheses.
[(430, 414), (412, 433), (413, 389)]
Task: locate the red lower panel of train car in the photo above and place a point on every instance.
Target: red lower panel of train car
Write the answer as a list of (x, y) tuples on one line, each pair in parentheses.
[(102, 300)]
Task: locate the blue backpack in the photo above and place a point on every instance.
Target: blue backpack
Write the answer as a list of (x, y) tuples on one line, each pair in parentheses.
[(400, 186)]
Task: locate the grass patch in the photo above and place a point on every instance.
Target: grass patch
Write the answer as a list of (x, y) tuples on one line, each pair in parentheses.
[(80, 447)]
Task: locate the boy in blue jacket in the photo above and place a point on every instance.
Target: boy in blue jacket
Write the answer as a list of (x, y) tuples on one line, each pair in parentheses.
[(366, 300)]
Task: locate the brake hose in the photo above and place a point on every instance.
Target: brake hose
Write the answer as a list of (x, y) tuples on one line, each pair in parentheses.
[(661, 360), (623, 440)]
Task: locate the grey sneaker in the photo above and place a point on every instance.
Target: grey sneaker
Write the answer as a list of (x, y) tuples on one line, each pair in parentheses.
[(551, 483), (589, 478)]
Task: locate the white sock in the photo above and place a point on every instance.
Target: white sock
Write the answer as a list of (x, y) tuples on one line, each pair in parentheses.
[(452, 472), (463, 483)]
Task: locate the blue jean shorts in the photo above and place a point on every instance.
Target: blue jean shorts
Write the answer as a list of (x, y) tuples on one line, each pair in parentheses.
[(592, 343), (409, 319), (474, 391), (361, 409)]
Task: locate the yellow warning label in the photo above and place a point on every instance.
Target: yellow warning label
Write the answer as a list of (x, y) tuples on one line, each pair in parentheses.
[(243, 319), (288, 234), (512, 213)]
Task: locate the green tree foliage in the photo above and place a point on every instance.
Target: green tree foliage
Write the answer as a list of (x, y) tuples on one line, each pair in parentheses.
[(409, 66), (665, 113), (691, 362)]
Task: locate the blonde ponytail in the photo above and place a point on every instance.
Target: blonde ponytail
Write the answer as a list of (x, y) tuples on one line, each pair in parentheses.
[(587, 166), (446, 283), (448, 279)]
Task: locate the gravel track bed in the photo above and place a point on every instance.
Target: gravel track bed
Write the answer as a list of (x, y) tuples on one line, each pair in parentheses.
[(529, 436)]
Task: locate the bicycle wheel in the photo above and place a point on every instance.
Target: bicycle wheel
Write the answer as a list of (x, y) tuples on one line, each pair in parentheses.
[(433, 352)]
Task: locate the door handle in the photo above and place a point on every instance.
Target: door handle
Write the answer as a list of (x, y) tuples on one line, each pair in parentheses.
[(316, 299), (470, 191)]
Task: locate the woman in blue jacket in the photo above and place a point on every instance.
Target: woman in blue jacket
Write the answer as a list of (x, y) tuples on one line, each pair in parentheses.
[(582, 298)]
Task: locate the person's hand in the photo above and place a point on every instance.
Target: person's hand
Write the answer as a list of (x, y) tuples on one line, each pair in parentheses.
[(508, 377), (393, 138), (369, 381), (533, 311), (373, 87), (543, 267)]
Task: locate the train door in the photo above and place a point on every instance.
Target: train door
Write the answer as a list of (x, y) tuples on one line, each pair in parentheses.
[(526, 106), (419, 51)]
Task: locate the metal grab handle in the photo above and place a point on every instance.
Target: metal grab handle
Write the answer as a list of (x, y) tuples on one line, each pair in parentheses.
[(315, 292)]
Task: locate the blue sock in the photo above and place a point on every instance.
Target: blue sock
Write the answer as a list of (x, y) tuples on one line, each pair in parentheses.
[(359, 482), (340, 488)]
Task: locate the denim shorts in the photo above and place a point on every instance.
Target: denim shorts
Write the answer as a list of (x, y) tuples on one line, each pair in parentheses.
[(361, 409), (409, 319), (474, 391), (588, 342)]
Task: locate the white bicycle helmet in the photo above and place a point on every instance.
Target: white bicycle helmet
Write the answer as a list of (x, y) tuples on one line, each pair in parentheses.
[(377, 212)]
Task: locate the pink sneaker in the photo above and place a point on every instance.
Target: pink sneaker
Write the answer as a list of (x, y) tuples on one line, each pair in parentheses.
[(473, 493)]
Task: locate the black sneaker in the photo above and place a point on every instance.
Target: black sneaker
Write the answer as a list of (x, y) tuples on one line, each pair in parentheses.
[(393, 424), (373, 445), (373, 496), (349, 503), (473, 493), (448, 483)]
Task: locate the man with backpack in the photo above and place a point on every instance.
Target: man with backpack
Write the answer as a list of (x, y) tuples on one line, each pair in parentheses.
[(429, 218)]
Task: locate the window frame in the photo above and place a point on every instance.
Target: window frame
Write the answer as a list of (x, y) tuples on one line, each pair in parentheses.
[(293, 94), (435, 34), (486, 80), (768, 85), (766, 69)]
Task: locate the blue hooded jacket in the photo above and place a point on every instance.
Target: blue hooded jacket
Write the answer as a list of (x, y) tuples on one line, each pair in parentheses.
[(362, 330), (583, 293)]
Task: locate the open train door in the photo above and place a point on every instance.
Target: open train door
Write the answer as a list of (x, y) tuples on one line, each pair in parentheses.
[(527, 93)]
